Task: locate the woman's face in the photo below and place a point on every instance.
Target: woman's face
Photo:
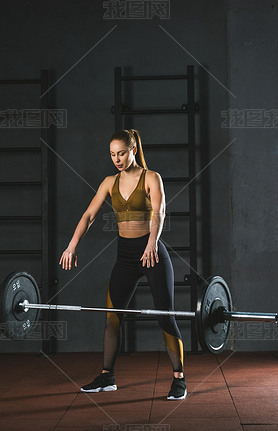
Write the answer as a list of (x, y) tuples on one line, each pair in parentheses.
[(121, 155)]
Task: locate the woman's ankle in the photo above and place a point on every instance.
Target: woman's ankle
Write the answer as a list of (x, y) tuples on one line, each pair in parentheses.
[(178, 374)]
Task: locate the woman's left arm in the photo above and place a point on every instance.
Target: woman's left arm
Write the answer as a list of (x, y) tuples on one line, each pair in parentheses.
[(157, 195)]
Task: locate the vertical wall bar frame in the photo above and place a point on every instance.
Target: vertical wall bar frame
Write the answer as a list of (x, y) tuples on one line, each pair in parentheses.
[(192, 201), (45, 199)]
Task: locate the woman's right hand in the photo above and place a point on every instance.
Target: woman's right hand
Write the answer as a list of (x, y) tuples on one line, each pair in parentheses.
[(68, 257)]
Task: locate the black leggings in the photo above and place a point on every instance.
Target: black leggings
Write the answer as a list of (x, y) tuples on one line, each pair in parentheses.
[(126, 273)]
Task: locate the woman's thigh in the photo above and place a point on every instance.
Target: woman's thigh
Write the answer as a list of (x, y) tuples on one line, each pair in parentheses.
[(122, 284), (161, 279)]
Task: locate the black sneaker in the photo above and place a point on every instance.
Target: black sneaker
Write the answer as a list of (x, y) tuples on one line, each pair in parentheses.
[(178, 389), (103, 383)]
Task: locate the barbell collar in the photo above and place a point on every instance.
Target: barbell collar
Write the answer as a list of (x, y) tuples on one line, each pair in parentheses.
[(26, 306), (249, 316)]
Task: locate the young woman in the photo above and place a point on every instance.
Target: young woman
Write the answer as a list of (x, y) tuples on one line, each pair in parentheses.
[(138, 200)]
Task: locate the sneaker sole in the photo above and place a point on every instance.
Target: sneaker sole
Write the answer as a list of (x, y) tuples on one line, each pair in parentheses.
[(100, 389), (177, 398)]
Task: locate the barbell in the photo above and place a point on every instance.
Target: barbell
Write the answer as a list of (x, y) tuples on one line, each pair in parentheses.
[(20, 305)]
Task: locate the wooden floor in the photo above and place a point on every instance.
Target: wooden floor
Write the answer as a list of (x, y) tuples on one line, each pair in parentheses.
[(232, 391)]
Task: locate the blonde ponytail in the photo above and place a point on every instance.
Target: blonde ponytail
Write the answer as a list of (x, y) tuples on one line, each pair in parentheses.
[(139, 157)]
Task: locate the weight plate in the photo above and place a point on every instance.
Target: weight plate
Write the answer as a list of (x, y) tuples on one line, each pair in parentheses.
[(213, 332), (15, 321)]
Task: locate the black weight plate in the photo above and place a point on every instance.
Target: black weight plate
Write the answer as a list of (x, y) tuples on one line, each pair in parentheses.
[(213, 333), (15, 321)]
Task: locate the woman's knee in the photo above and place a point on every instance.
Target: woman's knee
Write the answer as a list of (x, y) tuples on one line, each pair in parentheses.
[(169, 324), (113, 320)]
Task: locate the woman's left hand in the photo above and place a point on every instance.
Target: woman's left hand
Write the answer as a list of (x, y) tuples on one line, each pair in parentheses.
[(150, 255)]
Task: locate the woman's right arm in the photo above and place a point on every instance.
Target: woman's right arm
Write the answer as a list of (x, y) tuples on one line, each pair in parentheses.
[(84, 224)]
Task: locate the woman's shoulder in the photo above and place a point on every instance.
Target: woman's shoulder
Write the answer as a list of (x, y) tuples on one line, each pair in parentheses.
[(153, 178), (110, 178), (152, 174), (109, 181)]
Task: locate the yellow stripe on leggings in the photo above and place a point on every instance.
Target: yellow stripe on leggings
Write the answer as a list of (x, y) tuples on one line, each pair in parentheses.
[(174, 343)]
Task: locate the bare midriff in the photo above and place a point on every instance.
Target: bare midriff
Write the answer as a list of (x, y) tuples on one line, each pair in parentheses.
[(134, 229)]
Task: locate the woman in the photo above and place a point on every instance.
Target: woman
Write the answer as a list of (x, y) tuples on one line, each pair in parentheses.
[(138, 201)]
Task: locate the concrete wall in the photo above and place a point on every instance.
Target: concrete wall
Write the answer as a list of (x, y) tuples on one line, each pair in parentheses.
[(253, 79), (211, 36)]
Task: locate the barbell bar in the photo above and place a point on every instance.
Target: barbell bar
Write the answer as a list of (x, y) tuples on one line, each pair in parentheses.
[(226, 315), (25, 305), (20, 305), (249, 316)]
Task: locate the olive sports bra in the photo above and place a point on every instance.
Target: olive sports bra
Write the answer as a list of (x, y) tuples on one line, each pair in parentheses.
[(136, 207)]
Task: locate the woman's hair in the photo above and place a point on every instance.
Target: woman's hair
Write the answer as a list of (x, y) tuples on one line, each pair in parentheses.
[(132, 137)]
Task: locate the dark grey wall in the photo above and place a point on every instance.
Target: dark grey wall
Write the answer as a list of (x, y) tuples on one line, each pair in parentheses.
[(252, 32), (56, 35)]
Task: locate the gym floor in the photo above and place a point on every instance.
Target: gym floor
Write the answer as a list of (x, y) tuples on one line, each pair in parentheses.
[(232, 391)]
